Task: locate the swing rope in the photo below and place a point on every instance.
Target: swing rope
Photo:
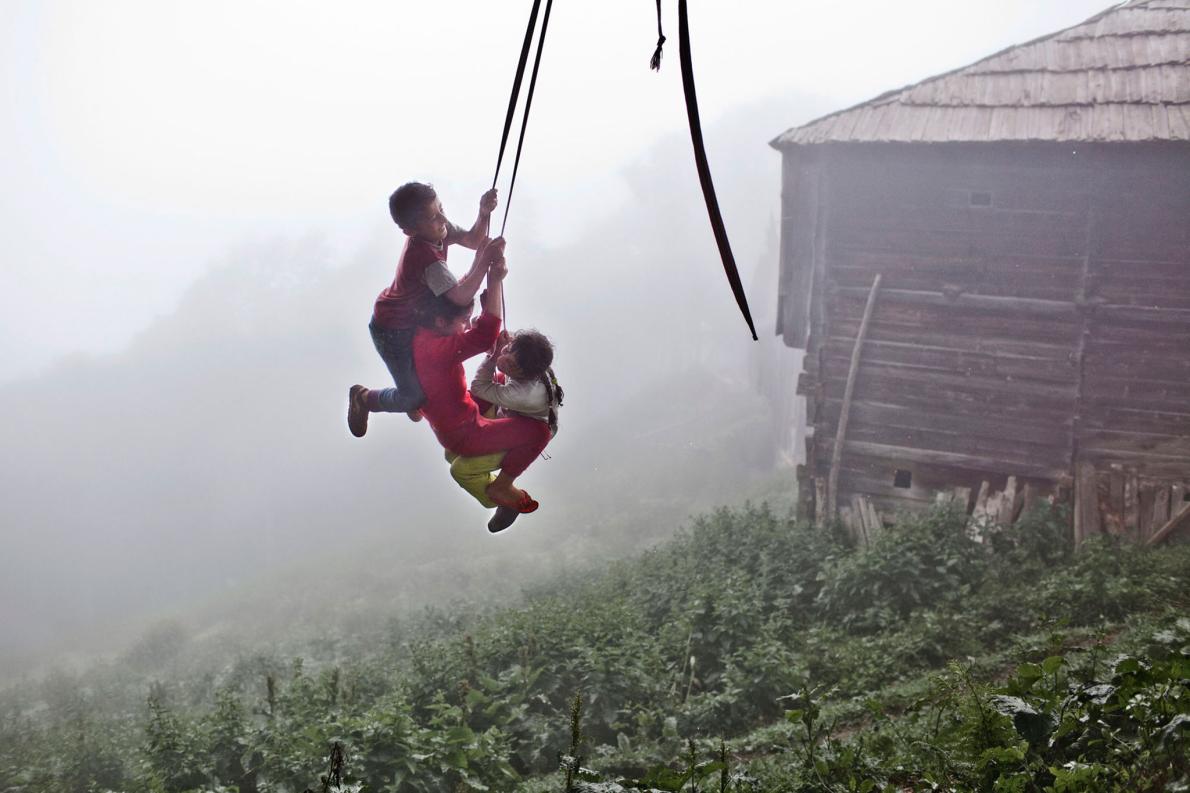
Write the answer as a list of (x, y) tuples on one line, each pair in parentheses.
[(512, 102), (516, 162), (516, 86), (700, 158)]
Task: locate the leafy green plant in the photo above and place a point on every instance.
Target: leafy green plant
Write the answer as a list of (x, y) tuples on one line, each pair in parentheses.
[(750, 653)]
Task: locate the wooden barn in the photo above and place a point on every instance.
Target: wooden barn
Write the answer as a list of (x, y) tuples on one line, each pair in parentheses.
[(1017, 232)]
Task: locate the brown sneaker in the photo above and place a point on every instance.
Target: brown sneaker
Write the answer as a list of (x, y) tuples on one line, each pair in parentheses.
[(357, 410)]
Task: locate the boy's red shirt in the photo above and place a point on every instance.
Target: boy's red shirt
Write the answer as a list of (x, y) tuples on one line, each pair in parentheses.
[(439, 363), (396, 307)]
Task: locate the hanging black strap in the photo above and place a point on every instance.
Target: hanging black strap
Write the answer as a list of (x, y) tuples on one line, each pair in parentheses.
[(655, 61), (516, 86), (545, 22), (704, 170)]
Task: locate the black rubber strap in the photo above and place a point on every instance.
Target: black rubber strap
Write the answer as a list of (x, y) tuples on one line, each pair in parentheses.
[(704, 170), (512, 100), (516, 86), (655, 61), (545, 23)]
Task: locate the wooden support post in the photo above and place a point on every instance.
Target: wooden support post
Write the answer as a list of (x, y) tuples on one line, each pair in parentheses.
[(1161, 508), (832, 486), (1086, 503), (875, 522), (962, 498), (1030, 498), (1113, 516), (1007, 503), (805, 495), (980, 512), (1018, 503), (1132, 505), (849, 523), (1147, 496), (820, 518), (859, 515), (1177, 498)]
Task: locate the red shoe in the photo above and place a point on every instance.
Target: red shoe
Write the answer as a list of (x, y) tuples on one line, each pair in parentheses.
[(526, 504), (357, 410), (523, 503)]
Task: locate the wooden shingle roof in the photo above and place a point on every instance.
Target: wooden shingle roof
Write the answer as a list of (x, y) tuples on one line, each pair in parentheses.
[(1122, 75)]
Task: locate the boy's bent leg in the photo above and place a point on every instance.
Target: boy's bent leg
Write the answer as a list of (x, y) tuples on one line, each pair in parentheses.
[(396, 350), (474, 474)]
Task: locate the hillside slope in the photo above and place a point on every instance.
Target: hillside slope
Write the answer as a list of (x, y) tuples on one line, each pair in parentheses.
[(947, 662)]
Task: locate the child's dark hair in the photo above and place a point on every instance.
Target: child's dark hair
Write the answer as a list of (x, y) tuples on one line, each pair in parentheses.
[(407, 202), (534, 353), (443, 308)]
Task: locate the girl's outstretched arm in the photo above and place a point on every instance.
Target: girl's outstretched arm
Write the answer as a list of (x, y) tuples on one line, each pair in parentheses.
[(483, 334)]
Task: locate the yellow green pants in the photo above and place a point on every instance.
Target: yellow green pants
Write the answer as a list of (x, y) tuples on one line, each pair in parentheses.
[(474, 474)]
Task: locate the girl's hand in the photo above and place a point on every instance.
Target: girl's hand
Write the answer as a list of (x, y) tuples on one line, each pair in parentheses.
[(497, 270)]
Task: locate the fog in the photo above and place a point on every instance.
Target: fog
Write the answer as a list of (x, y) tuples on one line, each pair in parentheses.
[(194, 229)]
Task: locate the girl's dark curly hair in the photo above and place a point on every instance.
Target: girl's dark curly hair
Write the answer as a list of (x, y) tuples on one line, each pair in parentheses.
[(534, 353)]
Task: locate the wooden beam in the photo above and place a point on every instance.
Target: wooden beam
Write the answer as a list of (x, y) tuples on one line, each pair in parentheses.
[(832, 486), (1178, 521), (969, 462), (1016, 305)]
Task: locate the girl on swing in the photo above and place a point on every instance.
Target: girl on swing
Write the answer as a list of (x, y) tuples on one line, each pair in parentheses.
[(525, 385), (448, 337)]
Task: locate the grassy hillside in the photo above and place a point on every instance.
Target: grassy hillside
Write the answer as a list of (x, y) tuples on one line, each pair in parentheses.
[(750, 653)]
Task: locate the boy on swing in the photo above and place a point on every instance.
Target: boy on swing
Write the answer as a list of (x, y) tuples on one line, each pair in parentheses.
[(422, 275)]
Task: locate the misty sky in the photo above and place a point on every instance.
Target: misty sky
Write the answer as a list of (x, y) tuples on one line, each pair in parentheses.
[(143, 140)]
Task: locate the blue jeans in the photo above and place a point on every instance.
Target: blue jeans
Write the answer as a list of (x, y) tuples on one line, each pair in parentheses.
[(396, 350)]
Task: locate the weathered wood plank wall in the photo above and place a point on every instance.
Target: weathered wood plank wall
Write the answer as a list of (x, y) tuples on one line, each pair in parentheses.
[(1133, 428), (1035, 310)]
